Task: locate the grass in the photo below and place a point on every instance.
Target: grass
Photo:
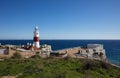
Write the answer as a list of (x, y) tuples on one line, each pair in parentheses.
[(57, 68)]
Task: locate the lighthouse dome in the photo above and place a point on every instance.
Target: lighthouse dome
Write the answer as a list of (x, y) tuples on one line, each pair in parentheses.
[(36, 27)]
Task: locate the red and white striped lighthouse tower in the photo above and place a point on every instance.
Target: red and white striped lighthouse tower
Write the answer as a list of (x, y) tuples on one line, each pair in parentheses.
[(36, 38)]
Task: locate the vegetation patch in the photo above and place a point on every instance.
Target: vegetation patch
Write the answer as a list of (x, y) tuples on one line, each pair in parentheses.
[(57, 68)]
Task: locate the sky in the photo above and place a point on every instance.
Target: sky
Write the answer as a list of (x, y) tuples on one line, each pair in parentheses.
[(60, 19)]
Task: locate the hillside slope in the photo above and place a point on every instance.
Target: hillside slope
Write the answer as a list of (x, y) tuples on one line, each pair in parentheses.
[(57, 68)]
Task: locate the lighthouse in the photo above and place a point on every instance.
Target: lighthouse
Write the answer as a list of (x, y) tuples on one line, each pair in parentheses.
[(36, 38)]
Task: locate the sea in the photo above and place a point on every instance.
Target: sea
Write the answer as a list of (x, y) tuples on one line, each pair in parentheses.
[(112, 47)]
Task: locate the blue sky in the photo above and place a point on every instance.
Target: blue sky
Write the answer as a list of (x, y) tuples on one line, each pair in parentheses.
[(60, 19)]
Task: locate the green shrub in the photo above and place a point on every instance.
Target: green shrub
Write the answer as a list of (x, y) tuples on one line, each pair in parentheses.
[(36, 56), (105, 65), (16, 55), (93, 65)]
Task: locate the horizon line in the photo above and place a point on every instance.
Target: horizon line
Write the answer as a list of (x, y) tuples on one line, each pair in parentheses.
[(61, 39)]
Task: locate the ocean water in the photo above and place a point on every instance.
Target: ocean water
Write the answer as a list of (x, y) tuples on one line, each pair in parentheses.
[(112, 47)]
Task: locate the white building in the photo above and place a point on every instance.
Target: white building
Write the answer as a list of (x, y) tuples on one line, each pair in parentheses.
[(96, 51), (95, 46)]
